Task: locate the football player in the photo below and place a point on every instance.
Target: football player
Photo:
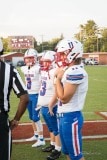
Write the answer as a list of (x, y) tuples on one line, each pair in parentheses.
[(46, 92), (32, 78), (71, 85)]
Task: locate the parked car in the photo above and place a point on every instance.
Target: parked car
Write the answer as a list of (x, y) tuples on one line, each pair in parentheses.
[(91, 62), (20, 63)]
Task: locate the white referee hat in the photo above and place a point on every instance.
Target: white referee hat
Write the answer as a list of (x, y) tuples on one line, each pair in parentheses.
[(1, 45)]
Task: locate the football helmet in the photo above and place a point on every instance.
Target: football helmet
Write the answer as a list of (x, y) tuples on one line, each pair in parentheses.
[(67, 51), (30, 57), (47, 61)]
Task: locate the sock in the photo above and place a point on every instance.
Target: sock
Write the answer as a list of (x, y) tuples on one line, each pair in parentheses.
[(41, 138), (52, 143), (58, 148), (36, 134)]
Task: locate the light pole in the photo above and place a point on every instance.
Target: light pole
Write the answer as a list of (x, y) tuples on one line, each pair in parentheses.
[(42, 40), (97, 44)]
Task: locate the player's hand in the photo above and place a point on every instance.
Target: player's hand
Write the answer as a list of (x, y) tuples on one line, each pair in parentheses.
[(59, 72), (13, 123), (51, 111), (38, 107)]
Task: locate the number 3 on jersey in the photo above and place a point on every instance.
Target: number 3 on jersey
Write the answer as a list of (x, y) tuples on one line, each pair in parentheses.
[(28, 80), (43, 88)]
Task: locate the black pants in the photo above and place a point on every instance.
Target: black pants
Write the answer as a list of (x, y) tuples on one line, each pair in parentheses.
[(5, 137)]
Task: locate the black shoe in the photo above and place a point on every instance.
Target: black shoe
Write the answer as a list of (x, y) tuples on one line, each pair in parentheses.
[(54, 155), (48, 148)]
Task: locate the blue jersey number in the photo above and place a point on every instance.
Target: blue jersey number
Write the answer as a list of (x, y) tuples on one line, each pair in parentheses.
[(43, 88), (28, 80)]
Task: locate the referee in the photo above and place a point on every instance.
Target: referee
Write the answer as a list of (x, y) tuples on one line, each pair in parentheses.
[(9, 79)]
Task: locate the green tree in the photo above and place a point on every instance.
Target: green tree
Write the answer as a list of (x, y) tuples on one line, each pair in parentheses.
[(5, 45), (49, 45), (103, 40), (88, 36)]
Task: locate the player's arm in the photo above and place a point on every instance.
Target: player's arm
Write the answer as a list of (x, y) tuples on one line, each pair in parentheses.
[(52, 103), (21, 92), (54, 98), (65, 92)]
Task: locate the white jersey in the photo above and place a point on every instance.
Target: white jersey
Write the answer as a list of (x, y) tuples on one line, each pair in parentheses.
[(75, 75), (32, 78), (47, 87)]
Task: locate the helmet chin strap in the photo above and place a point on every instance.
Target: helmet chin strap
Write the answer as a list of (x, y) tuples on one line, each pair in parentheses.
[(28, 67), (48, 74), (58, 64)]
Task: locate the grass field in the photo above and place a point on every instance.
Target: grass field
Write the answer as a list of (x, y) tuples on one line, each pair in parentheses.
[(92, 150), (96, 100)]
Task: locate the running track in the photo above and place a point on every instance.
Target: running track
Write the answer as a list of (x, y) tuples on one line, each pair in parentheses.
[(91, 130)]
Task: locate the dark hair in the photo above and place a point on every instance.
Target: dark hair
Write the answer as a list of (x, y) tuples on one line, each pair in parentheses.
[(78, 61)]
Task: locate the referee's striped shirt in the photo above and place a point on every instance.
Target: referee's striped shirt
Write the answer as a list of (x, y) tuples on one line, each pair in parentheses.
[(9, 79)]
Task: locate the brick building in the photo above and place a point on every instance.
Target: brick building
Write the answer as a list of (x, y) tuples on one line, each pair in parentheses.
[(101, 57)]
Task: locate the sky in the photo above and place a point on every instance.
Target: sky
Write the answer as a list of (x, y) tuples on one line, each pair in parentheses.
[(48, 19)]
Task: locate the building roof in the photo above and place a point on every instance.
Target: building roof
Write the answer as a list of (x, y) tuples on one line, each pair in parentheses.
[(10, 54)]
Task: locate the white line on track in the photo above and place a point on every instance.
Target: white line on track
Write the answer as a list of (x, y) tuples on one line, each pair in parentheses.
[(84, 137), (94, 121)]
